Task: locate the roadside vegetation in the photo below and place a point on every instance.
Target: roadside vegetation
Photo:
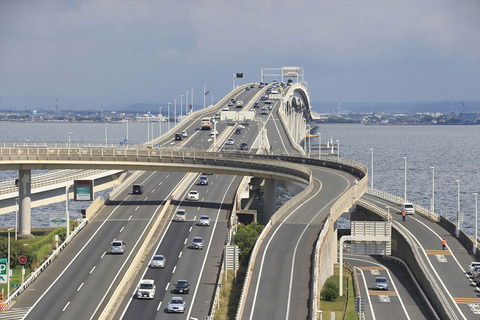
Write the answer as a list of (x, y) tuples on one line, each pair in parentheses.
[(331, 302), (36, 249), (231, 291)]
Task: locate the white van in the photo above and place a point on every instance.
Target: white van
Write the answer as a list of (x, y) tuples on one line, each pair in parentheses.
[(408, 208)]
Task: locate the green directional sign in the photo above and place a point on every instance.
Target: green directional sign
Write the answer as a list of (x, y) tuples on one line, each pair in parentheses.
[(3, 270)]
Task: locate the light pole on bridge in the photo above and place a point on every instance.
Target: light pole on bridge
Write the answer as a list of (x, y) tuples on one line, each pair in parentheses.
[(168, 116), (476, 222), (432, 204), (458, 205), (405, 192), (371, 174)]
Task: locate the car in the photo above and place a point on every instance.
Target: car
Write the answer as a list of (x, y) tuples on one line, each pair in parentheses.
[(117, 246), (181, 215), (230, 104), (176, 304), (178, 136), (475, 271), (268, 104), (226, 108), (264, 97), (241, 126), (256, 105), (239, 104), (230, 141), (197, 243), (472, 266), (137, 189), (203, 181), (184, 134), (244, 146), (247, 88), (217, 115), (213, 132), (204, 220), (274, 91), (181, 286), (408, 208), (146, 289), (238, 131), (380, 283), (252, 86), (158, 261), (264, 111), (232, 100), (192, 195)]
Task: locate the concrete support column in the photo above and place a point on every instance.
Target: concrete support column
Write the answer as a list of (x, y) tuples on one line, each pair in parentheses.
[(24, 201), (270, 190)]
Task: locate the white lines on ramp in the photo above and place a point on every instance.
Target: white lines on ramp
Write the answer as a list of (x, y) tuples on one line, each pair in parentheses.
[(166, 288), (185, 242), (137, 208), (145, 199), (92, 269), (160, 182), (103, 255), (80, 286), (129, 218), (190, 230), (174, 268), (66, 306), (159, 306), (180, 254), (122, 228), (153, 191)]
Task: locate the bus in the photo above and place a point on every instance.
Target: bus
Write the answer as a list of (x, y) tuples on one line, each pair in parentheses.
[(206, 123)]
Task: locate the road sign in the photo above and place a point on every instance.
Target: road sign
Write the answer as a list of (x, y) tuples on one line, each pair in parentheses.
[(22, 259), (3, 270), (83, 190), (121, 143), (14, 285)]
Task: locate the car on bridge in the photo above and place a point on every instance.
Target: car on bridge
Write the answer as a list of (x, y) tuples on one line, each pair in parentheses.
[(197, 243), (408, 208), (226, 108), (193, 195), (146, 289), (256, 104), (204, 220), (238, 131), (181, 286), (264, 111), (118, 246), (178, 136), (203, 181), (181, 215), (184, 134), (472, 266), (158, 261), (177, 305), (380, 283), (230, 141), (244, 146), (137, 189)]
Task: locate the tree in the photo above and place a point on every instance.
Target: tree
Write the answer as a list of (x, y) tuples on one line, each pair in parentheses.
[(246, 237)]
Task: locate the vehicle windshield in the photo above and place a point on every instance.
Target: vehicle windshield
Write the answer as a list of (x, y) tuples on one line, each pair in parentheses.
[(146, 286), (117, 244), (381, 280), (158, 258), (176, 301)]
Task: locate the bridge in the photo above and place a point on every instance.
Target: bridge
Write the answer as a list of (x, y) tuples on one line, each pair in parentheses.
[(93, 283)]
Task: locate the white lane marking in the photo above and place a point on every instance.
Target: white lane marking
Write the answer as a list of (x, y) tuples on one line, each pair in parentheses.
[(129, 218), (383, 298), (122, 228), (145, 199), (153, 191), (184, 242), (190, 230), (137, 208), (198, 209), (206, 191), (166, 288), (174, 268), (168, 175), (391, 280), (92, 269), (66, 306), (435, 271), (374, 272), (441, 258), (159, 305), (180, 254), (80, 286), (368, 296), (160, 182), (208, 249), (103, 255), (212, 183)]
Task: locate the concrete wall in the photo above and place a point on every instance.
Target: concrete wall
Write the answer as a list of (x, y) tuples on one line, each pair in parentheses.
[(464, 239)]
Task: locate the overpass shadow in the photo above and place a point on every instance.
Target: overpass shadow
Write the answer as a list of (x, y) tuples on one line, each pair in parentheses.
[(134, 203), (203, 204)]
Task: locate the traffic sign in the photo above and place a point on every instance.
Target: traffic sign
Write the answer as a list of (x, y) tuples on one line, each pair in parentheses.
[(22, 259), (14, 285), (125, 140), (3, 270), (121, 143)]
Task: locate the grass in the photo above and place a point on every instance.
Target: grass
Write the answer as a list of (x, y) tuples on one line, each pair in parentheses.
[(230, 294), (338, 305)]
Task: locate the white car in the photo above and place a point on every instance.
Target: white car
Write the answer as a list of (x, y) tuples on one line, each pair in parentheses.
[(226, 108), (213, 132), (197, 243), (158, 261), (146, 289), (204, 220), (230, 141), (176, 304), (471, 267), (181, 215), (184, 133), (193, 195)]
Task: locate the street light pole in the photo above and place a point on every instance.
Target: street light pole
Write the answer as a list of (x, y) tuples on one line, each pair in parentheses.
[(405, 193), (338, 151), (204, 95), (175, 122), (186, 103), (106, 134), (168, 116), (371, 174), (69, 137), (8, 264), (160, 120), (192, 99), (458, 204), (16, 218), (432, 208), (181, 105), (476, 220)]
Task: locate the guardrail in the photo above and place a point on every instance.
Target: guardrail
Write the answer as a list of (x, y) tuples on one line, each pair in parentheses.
[(393, 198), (46, 263)]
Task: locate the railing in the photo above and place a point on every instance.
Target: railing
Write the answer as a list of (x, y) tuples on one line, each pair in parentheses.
[(398, 200)]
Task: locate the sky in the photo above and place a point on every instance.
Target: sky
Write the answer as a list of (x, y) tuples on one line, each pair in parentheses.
[(100, 53)]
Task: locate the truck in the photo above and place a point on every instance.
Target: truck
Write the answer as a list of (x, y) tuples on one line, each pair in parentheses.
[(206, 123)]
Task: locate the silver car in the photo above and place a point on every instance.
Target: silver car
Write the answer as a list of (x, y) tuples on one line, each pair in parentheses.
[(204, 220), (176, 304), (118, 246), (158, 261), (197, 243), (380, 283)]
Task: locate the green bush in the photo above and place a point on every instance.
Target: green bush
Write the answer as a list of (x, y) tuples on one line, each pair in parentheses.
[(331, 283), (329, 294), (246, 237)]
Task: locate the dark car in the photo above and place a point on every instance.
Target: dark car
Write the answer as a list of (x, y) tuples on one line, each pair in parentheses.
[(137, 189), (244, 146), (238, 130), (178, 136), (182, 286), (256, 105)]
